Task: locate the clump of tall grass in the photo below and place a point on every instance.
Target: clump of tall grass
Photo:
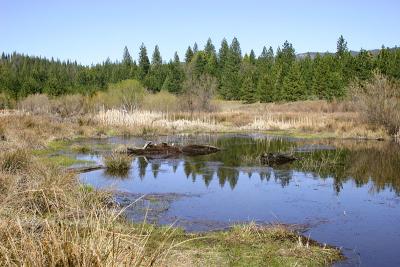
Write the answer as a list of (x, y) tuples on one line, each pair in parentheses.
[(14, 161), (323, 162), (81, 149), (2, 132), (117, 163), (47, 219), (156, 120), (6, 101), (271, 122)]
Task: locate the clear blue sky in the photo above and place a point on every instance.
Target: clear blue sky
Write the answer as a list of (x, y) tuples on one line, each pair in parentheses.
[(91, 31)]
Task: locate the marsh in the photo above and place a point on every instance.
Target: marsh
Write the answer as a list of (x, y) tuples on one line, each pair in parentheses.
[(342, 191)]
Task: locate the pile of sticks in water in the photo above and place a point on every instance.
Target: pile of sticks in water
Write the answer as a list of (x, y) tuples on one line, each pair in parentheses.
[(166, 150)]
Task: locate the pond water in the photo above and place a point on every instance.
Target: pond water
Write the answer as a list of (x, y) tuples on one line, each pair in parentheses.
[(346, 192)]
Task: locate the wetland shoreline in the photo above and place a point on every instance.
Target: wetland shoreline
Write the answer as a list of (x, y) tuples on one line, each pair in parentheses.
[(68, 213)]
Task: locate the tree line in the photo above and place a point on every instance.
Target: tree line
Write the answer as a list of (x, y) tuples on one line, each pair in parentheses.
[(272, 76)]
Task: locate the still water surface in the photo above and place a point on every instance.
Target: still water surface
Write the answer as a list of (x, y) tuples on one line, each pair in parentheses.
[(346, 192)]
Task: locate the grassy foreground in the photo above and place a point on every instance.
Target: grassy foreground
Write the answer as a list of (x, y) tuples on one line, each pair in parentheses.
[(47, 218)]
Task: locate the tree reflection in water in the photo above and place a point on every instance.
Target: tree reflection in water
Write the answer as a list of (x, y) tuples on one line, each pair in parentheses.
[(376, 162)]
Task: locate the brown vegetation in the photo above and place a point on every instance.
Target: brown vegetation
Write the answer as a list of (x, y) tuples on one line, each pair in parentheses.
[(127, 108), (47, 218), (379, 102)]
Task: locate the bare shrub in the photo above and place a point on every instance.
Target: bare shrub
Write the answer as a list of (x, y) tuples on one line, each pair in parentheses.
[(68, 105), (198, 93), (127, 95), (379, 102), (163, 101), (35, 104)]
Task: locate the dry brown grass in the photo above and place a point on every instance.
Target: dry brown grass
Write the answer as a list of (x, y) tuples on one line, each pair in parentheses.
[(162, 113), (321, 117), (33, 131), (47, 218), (336, 119)]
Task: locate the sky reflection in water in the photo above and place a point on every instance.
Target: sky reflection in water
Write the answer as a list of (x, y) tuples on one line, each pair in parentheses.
[(348, 195)]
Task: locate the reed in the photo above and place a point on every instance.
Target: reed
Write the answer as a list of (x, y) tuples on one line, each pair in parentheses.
[(117, 162)]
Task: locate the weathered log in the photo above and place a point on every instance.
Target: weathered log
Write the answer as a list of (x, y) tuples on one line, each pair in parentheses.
[(152, 150), (84, 169), (165, 150), (148, 144), (272, 159)]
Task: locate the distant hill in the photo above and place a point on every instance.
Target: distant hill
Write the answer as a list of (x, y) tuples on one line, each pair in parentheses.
[(353, 53)]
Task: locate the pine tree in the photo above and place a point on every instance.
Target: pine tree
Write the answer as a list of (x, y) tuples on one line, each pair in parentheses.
[(144, 63), (235, 51), (267, 55), (221, 65), (195, 48), (364, 65), (328, 81), (176, 58), (287, 55), (175, 76), (383, 61), (252, 57), (293, 87), (341, 47), (188, 55), (248, 88), (230, 80), (157, 74), (209, 48), (211, 65), (127, 64), (199, 63), (307, 73), (126, 58), (156, 58), (266, 87), (223, 53)]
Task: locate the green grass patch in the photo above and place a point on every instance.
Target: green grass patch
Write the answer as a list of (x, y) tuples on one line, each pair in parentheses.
[(248, 245), (81, 148), (64, 161), (53, 147)]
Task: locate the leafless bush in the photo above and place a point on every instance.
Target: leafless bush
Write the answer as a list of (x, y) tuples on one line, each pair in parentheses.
[(379, 102), (36, 104), (127, 95), (68, 105), (198, 93), (162, 101)]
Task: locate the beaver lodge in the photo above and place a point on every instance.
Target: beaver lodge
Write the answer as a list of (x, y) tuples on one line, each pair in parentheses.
[(166, 150)]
